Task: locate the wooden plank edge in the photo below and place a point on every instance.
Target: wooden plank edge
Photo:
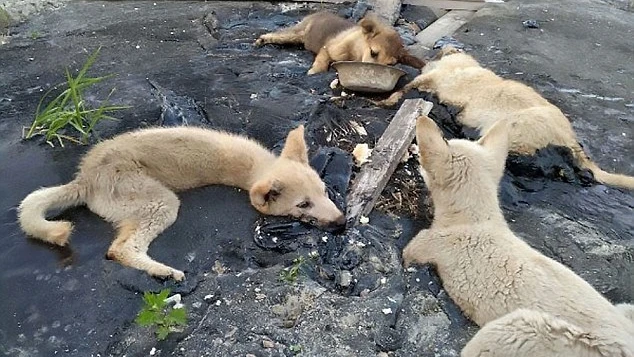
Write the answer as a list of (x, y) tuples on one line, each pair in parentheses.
[(385, 157)]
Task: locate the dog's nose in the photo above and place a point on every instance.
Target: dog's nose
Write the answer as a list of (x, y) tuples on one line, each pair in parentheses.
[(337, 225)]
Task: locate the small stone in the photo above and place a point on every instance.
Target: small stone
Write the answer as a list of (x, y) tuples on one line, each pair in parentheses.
[(268, 344), (530, 24), (364, 220), (387, 311), (345, 278)]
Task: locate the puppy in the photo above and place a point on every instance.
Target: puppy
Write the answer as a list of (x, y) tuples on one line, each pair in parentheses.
[(131, 181), (526, 304), (333, 39), (458, 79)]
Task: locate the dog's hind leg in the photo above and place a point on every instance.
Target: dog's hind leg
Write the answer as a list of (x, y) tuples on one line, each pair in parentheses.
[(141, 208), (290, 36), (529, 333)]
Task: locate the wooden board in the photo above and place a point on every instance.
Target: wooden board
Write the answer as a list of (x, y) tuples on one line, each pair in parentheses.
[(386, 155), (447, 4), (444, 26)]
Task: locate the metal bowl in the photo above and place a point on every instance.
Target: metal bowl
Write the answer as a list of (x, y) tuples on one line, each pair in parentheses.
[(367, 76)]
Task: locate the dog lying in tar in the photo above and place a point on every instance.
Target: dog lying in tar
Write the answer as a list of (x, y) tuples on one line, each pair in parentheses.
[(525, 303), (333, 39), (485, 98), (130, 181)]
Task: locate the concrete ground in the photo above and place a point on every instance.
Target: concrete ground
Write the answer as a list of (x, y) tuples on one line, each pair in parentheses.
[(355, 299)]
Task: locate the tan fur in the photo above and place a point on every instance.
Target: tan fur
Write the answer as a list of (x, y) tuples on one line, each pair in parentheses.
[(130, 181), (526, 303), (333, 38), (458, 79)]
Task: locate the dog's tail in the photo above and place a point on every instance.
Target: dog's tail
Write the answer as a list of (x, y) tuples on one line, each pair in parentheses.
[(32, 211), (600, 175)]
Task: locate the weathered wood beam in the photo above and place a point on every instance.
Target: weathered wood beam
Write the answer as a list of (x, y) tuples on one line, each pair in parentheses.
[(447, 4), (386, 155), (444, 26)]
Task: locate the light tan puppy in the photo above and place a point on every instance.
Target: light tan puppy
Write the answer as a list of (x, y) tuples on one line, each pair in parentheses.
[(130, 181), (333, 38), (458, 79), (526, 303)]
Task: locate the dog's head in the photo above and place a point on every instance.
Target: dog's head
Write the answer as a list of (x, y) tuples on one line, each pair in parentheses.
[(450, 58), (384, 45), (462, 171), (291, 187)]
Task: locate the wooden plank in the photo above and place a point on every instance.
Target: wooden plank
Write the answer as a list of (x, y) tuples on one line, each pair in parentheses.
[(386, 155), (447, 4), (326, 1), (387, 10), (444, 26)]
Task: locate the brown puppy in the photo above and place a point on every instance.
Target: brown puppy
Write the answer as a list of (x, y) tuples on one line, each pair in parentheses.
[(333, 39), (130, 181), (485, 99)]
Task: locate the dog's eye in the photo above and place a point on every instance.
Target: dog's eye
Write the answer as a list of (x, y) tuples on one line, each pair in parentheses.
[(304, 204), (374, 53)]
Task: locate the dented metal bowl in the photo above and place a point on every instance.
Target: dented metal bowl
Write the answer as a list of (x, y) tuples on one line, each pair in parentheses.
[(366, 76)]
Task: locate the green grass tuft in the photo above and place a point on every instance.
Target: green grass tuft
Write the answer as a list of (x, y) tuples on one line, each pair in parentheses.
[(158, 314), (292, 273), (69, 110)]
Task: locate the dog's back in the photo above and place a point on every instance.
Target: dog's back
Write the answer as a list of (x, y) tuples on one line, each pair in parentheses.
[(321, 27), (517, 295)]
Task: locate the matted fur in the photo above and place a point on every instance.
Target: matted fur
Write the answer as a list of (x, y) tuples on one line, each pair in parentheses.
[(526, 303), (130, 181), (485, 98), (333, 38)]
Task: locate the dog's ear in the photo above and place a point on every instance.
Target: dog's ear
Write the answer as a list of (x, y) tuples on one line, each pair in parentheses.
[(412, 61), (264, 192), (496, 140), (434, 150), (295, 146), (369, 25)]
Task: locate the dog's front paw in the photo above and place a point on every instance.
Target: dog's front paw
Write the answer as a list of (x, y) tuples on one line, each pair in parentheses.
[(178, 275), (259, 42), (391, 100)]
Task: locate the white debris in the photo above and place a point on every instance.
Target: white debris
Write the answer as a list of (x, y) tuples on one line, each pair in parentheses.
[(208, 297), (334, 83), (253, 96), (178, 305), (364, 220), (344, 94), (176, 299), (383, 280), (324, 239), (361, 153), (345, 278), (358, 128), (153, 351), (387, 311)]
